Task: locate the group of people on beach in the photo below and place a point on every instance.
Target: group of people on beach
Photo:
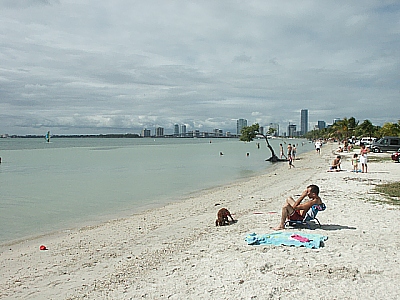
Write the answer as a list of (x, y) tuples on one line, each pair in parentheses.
[(291, 153), (297, 210), (361, 157)]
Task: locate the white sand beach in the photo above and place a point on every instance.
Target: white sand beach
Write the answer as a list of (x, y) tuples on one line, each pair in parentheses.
[(177, 252)]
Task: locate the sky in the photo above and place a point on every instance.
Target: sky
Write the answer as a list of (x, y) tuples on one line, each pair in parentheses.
[(95, 66)]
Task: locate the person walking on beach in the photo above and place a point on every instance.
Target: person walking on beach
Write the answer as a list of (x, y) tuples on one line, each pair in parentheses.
[(318, 146), (290, 158), (295, 210), (363, 158), (294, 150), (281, 151), (289, 150)]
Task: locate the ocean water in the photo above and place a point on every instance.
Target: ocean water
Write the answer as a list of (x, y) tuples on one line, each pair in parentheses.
[(46, 187)]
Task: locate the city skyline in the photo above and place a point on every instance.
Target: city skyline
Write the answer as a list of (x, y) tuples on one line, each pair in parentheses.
[(180, 129)]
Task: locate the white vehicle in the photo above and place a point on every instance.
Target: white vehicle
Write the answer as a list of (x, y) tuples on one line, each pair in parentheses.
[(366, 141)]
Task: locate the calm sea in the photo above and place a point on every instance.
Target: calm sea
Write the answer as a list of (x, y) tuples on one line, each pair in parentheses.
[(46, 187)]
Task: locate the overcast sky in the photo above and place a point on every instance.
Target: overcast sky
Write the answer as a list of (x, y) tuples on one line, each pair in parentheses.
[(95, 66)]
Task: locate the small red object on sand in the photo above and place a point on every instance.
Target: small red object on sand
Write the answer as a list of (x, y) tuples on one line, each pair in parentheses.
[(43, 247)]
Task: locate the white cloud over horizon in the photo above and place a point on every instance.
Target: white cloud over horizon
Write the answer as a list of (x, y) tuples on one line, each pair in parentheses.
[(103, 67)]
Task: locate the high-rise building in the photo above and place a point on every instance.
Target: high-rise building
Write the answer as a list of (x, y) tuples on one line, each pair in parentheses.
[(275, 127), (159, 131), (218, 132), (239, 125), (321, 125), (176, 130), (146, 132), (291, 130), (304, 121), (183, 130)]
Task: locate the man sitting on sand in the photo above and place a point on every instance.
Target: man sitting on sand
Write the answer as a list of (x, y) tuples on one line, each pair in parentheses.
[(335, 164), (294, 210)]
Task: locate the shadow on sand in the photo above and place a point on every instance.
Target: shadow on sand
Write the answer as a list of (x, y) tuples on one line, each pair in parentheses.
[(331, 227)]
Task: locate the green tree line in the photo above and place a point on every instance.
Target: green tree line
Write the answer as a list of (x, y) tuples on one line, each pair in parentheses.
[(349, 127)]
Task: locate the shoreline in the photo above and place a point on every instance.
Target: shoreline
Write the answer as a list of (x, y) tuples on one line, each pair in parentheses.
[(175, 251), (84, 186), (126, 214)]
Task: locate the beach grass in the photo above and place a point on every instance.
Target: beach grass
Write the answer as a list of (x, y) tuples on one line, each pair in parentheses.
[(391, 191), (379, 158)]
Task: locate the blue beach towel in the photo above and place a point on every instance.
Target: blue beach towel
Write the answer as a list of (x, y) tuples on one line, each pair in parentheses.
[(297, 239)]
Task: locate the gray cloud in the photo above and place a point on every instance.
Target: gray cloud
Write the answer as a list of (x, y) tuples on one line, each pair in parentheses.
[(100, 66)]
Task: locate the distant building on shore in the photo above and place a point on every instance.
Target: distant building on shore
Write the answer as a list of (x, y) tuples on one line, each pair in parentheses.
[(292, 130), (303, 121), (159, 131), (321, 125), (146, 132), (275, 127), (176, 130), (239, 125), (183, 130)]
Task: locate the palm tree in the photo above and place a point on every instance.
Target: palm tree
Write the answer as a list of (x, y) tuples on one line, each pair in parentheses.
[(365, 129)]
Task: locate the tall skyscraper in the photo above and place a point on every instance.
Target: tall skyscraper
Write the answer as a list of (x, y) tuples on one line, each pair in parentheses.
[(176, 130), (146, 132), (183, 130), (159, 131), (240, 124), (304, 121)]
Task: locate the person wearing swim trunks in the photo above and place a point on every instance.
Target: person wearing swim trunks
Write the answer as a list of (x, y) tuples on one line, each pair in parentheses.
[(363, 158), (295, 210), (335, 164), (289, 150), (318, 146), (281, 151)]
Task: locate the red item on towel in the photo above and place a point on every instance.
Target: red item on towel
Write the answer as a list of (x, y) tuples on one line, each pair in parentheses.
[(300, 238)]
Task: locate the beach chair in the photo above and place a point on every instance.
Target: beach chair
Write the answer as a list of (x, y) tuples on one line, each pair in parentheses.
[(311, 217)]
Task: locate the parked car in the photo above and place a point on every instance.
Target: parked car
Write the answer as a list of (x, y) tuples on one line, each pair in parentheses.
[(396, 155), (387, 143), (366, 141)]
